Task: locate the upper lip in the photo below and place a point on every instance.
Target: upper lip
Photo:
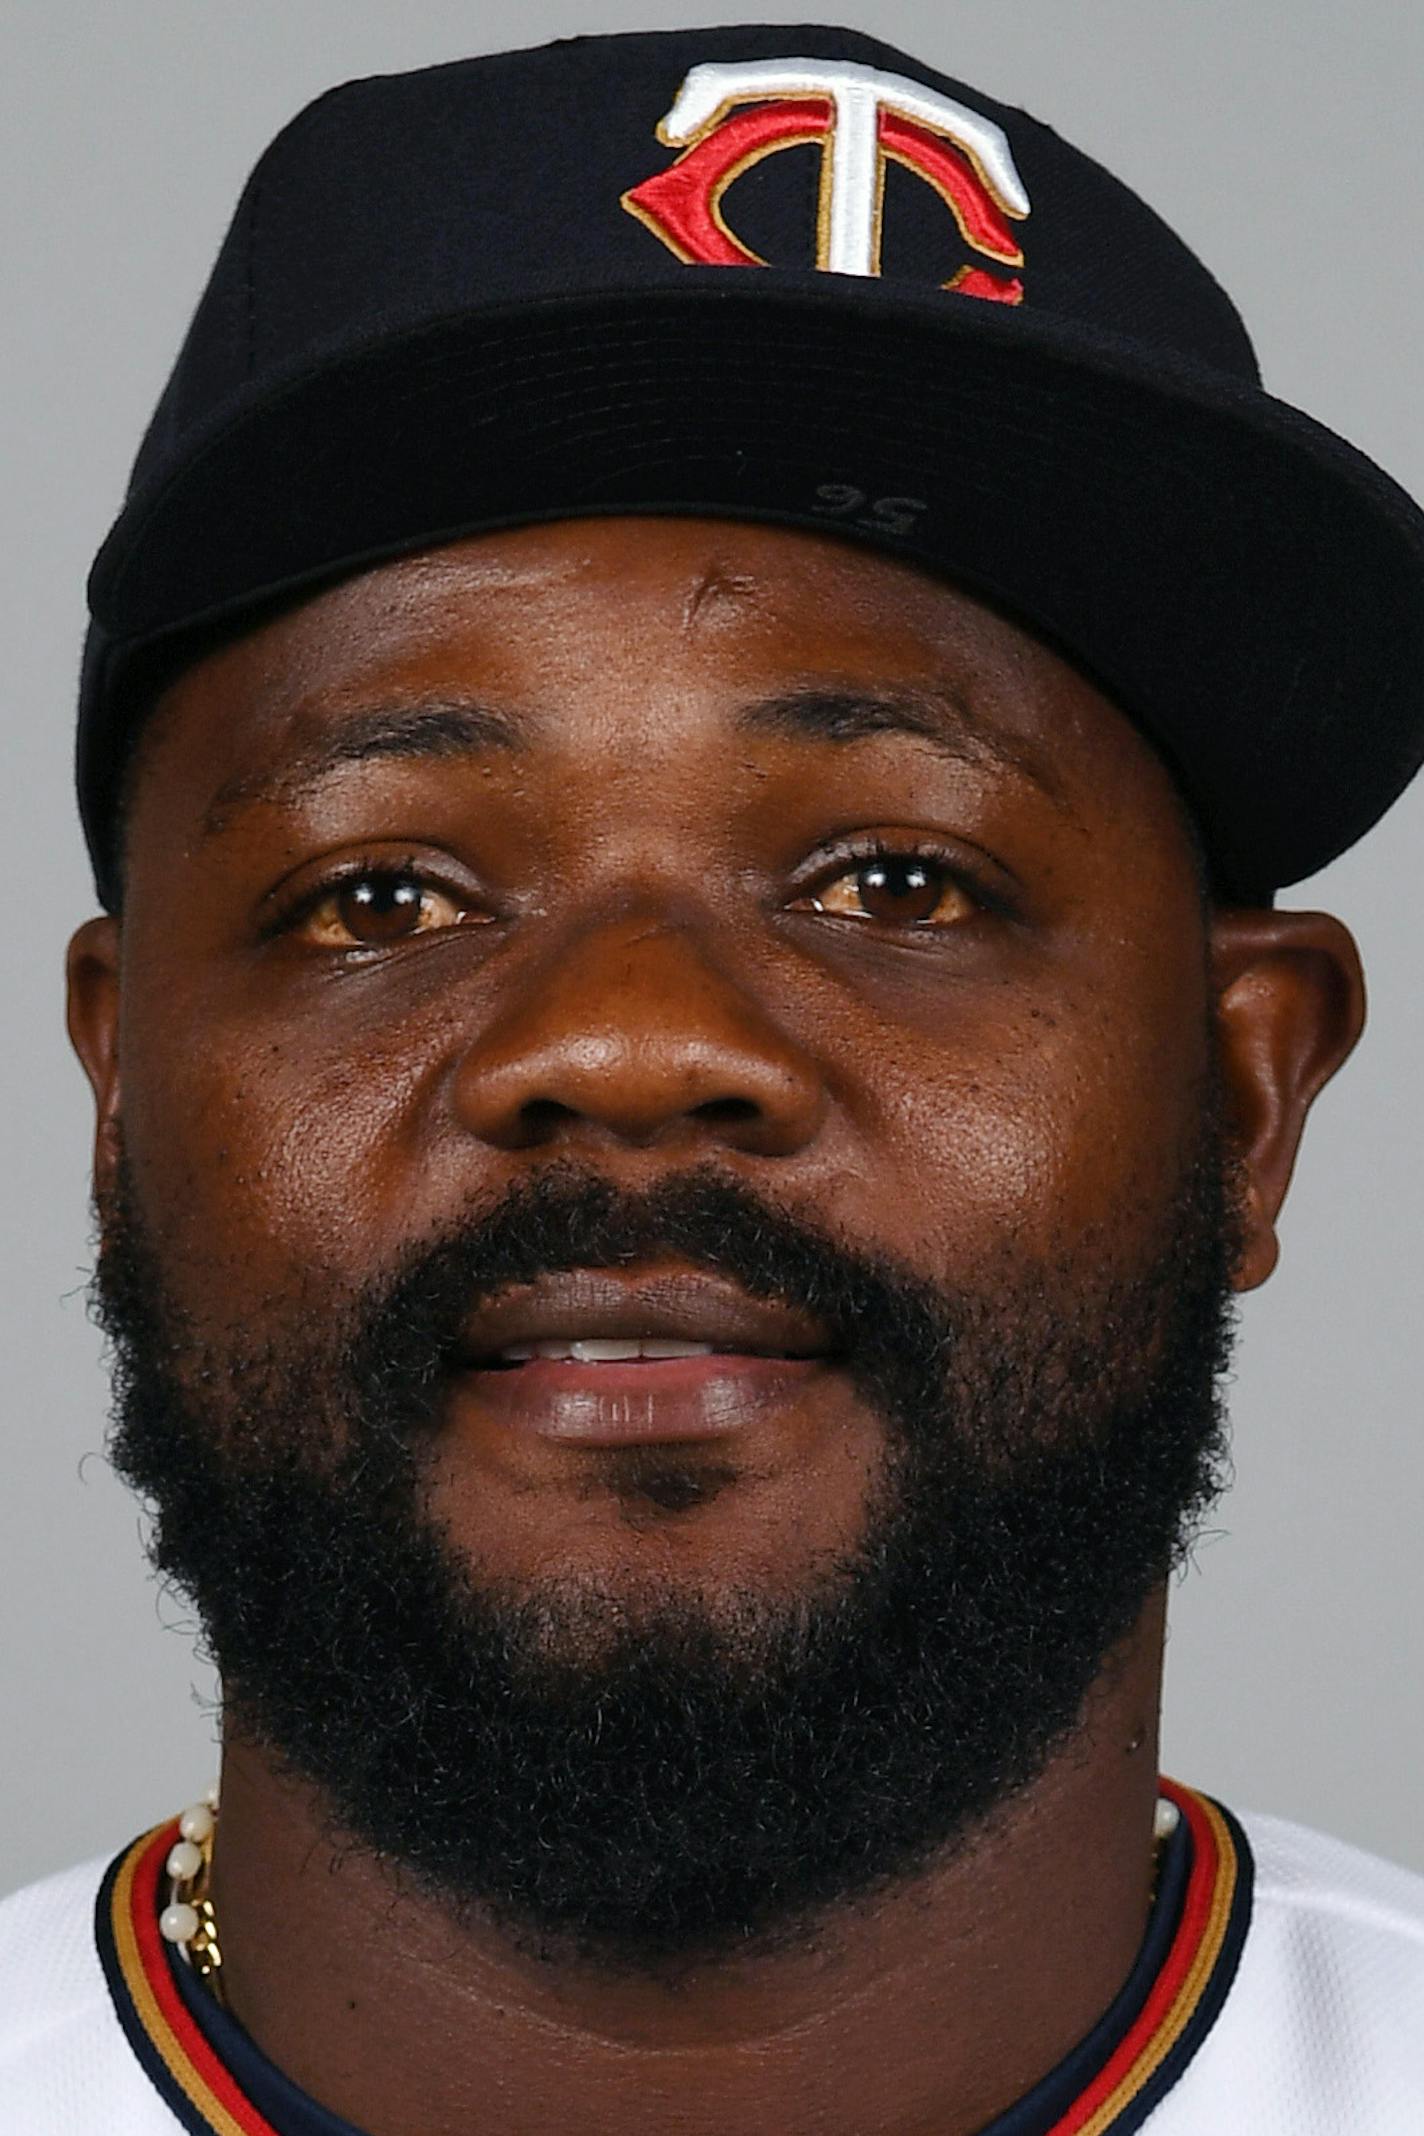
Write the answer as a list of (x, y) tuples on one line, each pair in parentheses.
[(582, 1304)]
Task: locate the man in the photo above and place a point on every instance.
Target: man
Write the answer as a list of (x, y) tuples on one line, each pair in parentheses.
[(692, 1043)]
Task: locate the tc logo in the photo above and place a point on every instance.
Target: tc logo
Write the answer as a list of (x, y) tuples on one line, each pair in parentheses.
[(862, 118)]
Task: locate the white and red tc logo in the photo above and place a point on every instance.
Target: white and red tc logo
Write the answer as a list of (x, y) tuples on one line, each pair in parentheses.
[(727, 117)]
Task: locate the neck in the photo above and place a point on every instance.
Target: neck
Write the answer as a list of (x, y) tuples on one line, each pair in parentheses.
[(934, 2009)]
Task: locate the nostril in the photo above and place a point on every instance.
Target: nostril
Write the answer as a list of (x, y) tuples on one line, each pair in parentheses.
[(726, 1109)]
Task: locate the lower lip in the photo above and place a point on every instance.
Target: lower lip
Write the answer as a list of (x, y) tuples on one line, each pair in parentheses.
[(642, 1400)]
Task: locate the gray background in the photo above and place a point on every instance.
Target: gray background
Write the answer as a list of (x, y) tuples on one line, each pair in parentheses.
[(1283, 141)]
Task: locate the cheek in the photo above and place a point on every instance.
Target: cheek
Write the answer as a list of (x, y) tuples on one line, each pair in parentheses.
[(274, 1151), (1042, 1119)]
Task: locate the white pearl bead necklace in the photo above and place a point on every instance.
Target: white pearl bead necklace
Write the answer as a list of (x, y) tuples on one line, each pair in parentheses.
[(188, 1920), (1166, 1817)]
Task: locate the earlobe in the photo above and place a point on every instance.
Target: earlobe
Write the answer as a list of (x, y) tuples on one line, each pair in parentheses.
[(92, 979), (1289, 993)]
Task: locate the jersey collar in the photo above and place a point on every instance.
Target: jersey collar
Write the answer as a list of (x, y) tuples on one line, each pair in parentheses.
[(1179, 2009)]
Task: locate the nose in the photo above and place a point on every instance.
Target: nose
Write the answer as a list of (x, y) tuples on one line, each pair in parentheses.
[(635, 1035)]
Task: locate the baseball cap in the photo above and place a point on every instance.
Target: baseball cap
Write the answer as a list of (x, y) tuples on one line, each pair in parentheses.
[(787, 275)]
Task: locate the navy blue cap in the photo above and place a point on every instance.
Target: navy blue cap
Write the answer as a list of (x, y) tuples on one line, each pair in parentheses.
[(784, 274)]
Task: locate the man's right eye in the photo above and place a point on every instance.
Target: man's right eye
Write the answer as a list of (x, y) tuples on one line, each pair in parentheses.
[(378, 907)]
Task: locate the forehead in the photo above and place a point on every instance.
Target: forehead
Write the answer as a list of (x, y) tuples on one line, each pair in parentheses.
[(628, 633)]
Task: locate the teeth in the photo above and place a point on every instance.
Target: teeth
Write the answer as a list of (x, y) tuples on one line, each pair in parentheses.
[(601, 1350)]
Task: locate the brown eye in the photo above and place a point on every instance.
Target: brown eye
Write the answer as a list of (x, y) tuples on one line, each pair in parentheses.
[(898, 889), (370, 910)]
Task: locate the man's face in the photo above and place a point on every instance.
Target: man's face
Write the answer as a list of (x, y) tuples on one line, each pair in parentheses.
[(712, 934)]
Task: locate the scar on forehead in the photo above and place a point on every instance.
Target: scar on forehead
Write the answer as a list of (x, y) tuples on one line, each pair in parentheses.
[(715, 586)]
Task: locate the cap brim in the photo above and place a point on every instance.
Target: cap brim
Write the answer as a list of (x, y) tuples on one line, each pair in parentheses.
[(1242, 583)]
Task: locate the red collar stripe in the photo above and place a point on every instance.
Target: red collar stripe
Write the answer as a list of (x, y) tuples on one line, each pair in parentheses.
[(1177, 2015), (1191, 1986), (159, 2025)]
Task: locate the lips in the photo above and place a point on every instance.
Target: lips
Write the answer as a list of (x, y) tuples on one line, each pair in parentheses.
[(602, 1358)]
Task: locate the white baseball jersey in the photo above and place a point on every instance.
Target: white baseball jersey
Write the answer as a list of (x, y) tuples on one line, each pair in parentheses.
[(1280, 1993)]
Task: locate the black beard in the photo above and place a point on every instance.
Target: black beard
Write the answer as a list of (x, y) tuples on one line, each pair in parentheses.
[(648, 1789)]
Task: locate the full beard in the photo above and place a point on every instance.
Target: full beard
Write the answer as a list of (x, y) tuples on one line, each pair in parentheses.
[(645, 1782)]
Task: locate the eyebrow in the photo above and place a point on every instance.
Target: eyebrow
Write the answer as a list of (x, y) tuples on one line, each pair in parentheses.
[(940, 717)]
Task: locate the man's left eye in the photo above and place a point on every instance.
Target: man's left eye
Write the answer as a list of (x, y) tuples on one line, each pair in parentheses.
[(898, 889), (368, 910)]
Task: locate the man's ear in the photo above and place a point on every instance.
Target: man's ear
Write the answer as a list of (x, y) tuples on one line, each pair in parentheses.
[(92, 976), (1290, 1003)]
